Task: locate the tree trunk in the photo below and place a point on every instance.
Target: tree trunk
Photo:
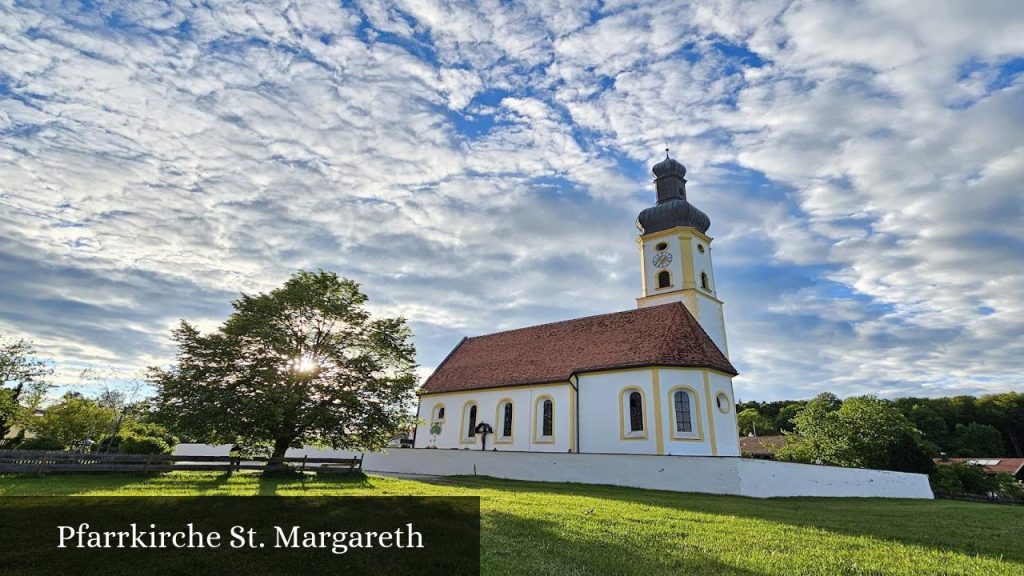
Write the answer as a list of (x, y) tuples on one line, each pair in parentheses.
[(1013, 440), (281, 446)]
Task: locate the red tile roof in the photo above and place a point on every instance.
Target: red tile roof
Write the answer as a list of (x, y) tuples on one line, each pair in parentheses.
[(761, 445), (994, 464), (665, 335)]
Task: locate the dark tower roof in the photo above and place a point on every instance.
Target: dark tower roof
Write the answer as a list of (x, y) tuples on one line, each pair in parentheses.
[(672, 208)]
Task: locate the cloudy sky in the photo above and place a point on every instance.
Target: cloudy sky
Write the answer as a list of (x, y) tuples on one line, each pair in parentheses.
[(479, 166)]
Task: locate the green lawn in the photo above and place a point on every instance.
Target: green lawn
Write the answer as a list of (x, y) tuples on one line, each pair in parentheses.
[(565, 529)]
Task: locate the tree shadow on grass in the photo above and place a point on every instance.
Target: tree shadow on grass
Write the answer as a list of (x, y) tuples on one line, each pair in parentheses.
[(972, 529), (514, 545), (312, 484)]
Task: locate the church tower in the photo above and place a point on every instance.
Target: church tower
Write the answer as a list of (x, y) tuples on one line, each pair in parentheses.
[(675, 253)]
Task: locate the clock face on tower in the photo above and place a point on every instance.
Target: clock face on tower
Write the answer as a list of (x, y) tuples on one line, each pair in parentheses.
[(661, 259)]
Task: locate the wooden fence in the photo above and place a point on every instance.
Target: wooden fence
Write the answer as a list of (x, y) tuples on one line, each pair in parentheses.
[(44, 462)]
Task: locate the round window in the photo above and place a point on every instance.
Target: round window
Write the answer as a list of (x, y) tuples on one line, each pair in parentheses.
[(723, 403), (661, 246), (700, 248)]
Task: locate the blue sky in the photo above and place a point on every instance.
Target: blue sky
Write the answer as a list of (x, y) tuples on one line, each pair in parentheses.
[(479, 166)]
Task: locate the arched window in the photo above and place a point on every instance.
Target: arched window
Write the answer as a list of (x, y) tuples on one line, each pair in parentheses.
[(636, 412), (704, 281), (544, 419), (439, 413), (664, 279), (503, 421), (684, 417), (506, 421), (632, 419), (469, 421), (471, 431)]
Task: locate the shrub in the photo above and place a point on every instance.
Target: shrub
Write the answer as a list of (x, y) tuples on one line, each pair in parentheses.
[(41, 443), (108, 443), (132, 427), (1009, 487), (144, 445), (959, 478)]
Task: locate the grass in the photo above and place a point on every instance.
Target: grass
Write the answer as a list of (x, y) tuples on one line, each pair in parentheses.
[(567, 529)]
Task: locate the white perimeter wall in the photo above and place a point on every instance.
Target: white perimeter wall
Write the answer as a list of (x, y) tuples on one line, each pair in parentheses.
[(737, 476)]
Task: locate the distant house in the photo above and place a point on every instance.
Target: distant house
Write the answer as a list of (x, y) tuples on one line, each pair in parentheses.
[(1014, 466), (763, 447)]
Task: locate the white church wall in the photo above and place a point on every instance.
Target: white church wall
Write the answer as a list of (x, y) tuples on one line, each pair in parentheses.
[(524, 400), (604, 413), (702, 262), (709, 315), (726, 430), (601, 426), (691, 380)]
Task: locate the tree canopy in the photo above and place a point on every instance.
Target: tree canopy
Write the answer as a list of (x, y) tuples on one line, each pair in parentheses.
[(752, 423), (958, 426), (304, 363), (862, 431), (23, 381)]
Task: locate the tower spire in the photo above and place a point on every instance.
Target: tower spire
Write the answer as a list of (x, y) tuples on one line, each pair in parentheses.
[(672, 208)]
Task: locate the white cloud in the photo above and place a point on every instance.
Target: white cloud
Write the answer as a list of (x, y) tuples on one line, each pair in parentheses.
[(476, 166)]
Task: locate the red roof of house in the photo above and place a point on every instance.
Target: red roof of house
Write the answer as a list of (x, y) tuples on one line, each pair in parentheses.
[(994, 465), (761, 445), (665, 335)]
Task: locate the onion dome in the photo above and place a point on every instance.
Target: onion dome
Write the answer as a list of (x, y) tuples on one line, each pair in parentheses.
[(671, 214), (668, 166), (672, 208)]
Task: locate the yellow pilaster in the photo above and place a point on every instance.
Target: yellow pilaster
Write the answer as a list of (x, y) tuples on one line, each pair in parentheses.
[(711, 415), (574, 391), (659, 429)]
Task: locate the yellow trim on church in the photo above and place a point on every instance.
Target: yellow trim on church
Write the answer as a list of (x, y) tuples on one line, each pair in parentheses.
[(682, 230), (574, 391), (659, 427), (711, 415)]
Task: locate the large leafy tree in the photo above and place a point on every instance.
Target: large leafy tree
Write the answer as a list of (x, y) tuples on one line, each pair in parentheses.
[(860, 432), (305, 363), (23, 381)]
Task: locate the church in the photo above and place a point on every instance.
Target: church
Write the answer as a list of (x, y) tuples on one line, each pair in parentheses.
[(654, 380)]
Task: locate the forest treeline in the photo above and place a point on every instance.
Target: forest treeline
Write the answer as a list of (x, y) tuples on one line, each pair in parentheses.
[(966, 426)]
